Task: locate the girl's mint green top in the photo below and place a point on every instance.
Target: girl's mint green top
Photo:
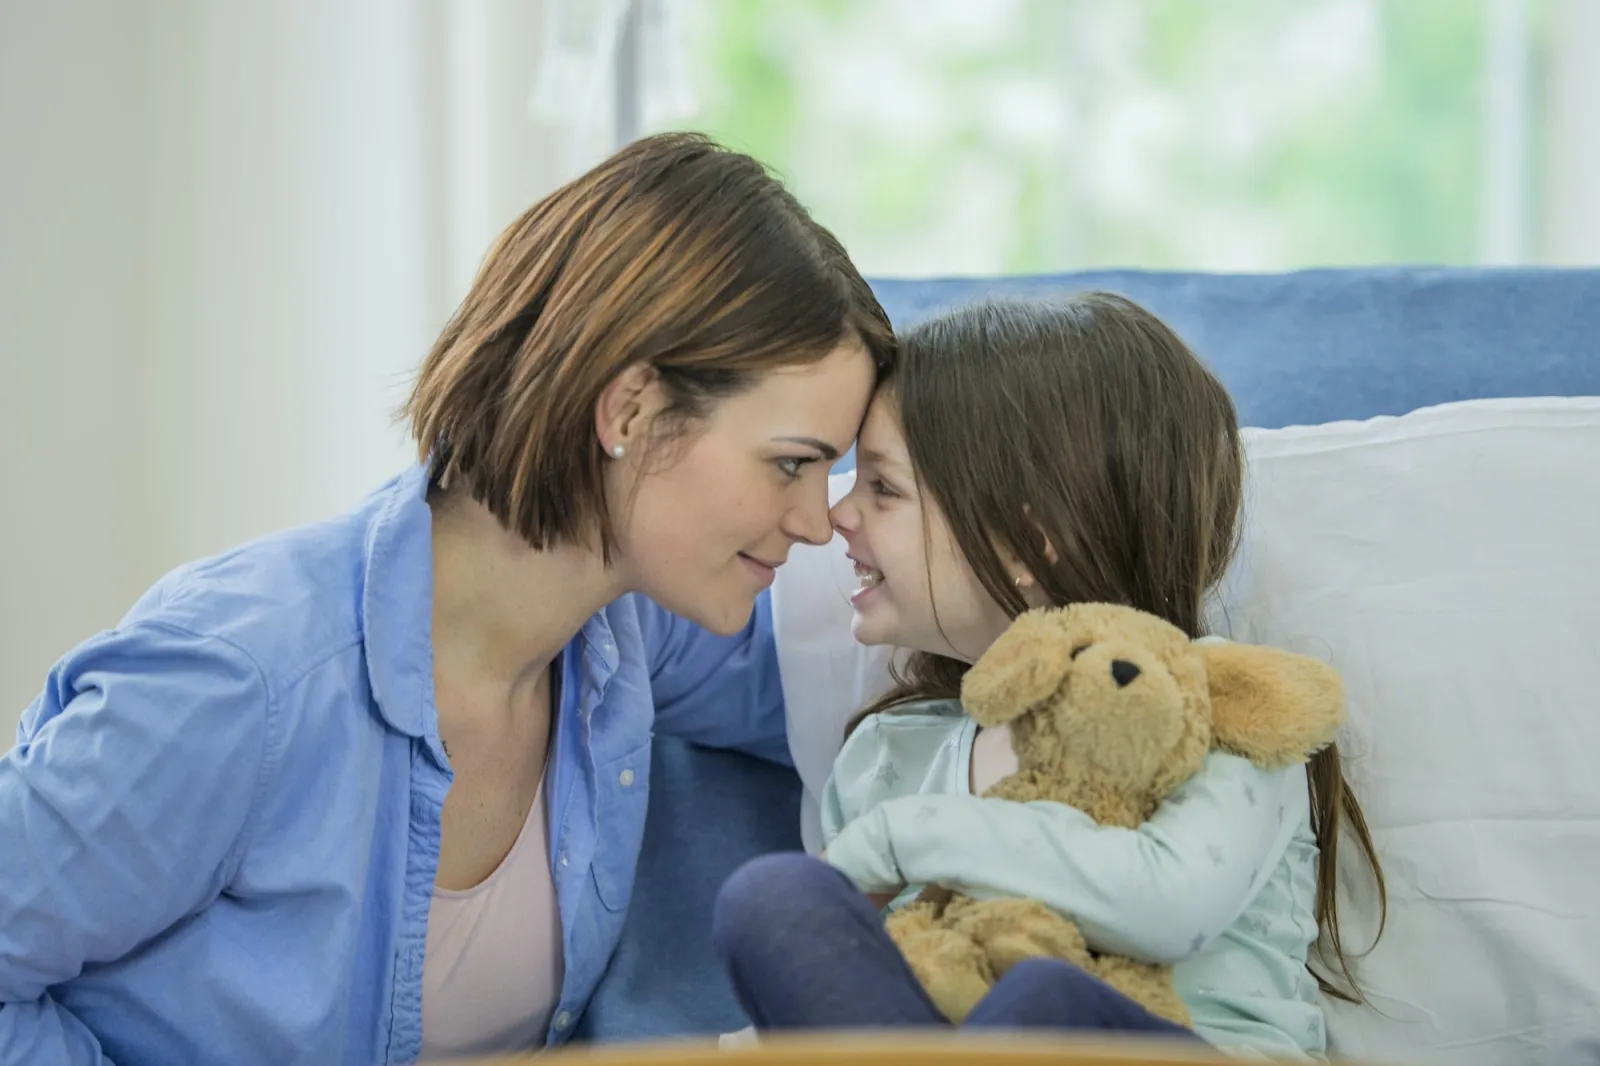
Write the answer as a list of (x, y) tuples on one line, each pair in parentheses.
[(1221, 880)]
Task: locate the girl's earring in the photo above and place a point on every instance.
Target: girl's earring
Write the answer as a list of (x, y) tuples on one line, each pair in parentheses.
[(616, 451)]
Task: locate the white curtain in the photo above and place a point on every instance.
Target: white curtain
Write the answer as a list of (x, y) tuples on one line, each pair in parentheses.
[(608, 71), (231, 231)]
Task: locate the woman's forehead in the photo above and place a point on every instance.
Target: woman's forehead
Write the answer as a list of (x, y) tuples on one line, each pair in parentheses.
[(823, 400)]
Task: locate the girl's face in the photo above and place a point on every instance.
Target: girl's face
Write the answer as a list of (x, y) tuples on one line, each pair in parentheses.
[(917, 589)]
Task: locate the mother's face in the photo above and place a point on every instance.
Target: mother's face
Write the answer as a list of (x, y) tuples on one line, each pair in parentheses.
[(712, 517)]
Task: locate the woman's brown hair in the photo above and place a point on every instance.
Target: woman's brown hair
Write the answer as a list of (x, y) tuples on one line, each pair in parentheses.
[(674, 253), (1082, 437)]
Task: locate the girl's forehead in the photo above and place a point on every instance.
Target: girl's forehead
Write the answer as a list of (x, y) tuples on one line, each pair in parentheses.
[(882, 421), (881, 441)]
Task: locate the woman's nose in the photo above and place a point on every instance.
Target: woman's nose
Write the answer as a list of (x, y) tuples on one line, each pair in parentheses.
[(808, 522)]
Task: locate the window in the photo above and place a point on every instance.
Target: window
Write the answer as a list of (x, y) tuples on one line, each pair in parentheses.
[(989, 136)]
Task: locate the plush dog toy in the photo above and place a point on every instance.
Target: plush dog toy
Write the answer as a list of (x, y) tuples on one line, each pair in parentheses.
[(1110, 710)]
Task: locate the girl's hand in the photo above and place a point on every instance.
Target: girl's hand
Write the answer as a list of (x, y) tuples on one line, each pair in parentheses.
[(879, 900)]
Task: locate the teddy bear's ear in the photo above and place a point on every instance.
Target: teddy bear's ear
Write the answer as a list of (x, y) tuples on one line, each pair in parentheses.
[(1272, 707), (1019, 671)]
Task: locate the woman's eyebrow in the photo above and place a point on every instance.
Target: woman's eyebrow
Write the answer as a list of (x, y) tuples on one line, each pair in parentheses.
[(828, 451)]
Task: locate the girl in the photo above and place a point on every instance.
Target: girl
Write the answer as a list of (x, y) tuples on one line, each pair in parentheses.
[(1029, 454), (373, 789)]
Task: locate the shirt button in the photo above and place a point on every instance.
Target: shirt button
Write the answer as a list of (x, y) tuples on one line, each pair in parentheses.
[(626, 777), (563, 858), (563, 1020)]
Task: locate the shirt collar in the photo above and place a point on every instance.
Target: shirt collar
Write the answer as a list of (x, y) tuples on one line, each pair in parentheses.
[(397, 610), (397, 604)]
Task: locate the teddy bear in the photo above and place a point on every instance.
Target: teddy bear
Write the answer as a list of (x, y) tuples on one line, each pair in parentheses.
[(1110, 709)]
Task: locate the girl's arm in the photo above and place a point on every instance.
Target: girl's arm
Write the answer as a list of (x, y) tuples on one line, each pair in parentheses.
[(1158, 893), (844, 798), (879, 900)]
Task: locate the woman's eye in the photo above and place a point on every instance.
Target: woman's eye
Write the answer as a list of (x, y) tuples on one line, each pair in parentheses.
[(791, 467)]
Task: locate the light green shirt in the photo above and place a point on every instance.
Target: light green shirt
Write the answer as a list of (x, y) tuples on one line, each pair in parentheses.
[(1221, 880)]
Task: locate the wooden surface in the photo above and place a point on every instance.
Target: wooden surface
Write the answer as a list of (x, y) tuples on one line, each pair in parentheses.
[(908, 1049)]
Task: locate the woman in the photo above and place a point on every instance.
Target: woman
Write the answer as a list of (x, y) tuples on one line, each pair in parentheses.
[(374, 789)]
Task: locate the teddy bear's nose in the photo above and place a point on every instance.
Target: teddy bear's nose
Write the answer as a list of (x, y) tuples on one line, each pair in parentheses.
[(1123, 672)]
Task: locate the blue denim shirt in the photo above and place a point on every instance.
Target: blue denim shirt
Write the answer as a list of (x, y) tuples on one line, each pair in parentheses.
[(220, 825)]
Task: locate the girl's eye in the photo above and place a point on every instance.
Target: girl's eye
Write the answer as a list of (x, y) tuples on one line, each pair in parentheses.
[(879, 488)]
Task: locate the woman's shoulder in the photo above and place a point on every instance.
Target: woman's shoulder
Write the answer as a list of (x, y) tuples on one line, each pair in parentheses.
[(300, 597)]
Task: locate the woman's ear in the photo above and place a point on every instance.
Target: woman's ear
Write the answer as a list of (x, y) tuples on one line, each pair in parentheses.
[(626, 407)]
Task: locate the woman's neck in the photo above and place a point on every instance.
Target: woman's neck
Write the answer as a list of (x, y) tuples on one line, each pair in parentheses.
[(502, 610)]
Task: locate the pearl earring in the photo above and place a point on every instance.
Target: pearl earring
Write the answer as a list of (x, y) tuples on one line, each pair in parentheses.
[(616, 451), (1017, 581)]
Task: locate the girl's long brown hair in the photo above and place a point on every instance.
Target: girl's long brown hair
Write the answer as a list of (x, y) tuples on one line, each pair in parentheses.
[(1084, 438)]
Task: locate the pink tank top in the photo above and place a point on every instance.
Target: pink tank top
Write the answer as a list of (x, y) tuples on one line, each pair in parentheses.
[(492, 968)]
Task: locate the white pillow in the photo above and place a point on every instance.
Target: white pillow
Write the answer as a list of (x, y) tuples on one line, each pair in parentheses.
[(827, 676), (1448, 563)]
